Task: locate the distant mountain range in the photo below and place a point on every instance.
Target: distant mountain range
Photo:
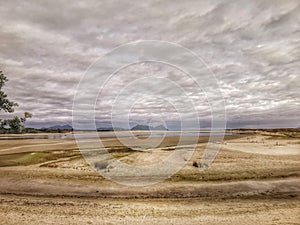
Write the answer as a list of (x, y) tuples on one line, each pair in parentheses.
[(59, 127), (136, 127), (109, 128), (147, 127)]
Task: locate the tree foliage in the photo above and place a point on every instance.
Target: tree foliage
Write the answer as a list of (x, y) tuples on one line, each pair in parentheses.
[(5, 104), (16, 124)]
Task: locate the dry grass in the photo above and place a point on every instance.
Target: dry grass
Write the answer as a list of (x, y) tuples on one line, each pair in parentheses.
[(31, 158)]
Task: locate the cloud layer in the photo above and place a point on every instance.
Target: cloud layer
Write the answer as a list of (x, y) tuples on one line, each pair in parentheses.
[(252, 47)]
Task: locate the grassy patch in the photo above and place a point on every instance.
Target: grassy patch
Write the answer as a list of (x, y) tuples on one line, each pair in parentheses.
[(120, 151), (30, 158), (36, 157), (120, 154), (221, 176)]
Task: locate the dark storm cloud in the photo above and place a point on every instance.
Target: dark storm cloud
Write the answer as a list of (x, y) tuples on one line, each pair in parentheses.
[(252, 47)]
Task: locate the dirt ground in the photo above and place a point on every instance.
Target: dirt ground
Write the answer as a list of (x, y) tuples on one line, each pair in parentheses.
[(255, 179), (36, 210)]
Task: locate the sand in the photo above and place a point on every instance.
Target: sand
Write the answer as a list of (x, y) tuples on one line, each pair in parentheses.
[(255, 179), (263, 144), (25, 210)]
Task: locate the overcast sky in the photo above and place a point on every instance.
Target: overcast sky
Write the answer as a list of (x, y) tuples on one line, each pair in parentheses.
[(252, 47)]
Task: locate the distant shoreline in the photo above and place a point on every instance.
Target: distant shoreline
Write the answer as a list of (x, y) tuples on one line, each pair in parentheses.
[(146, 133)]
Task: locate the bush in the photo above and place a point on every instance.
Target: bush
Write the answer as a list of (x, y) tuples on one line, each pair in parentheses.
[(195, 164)]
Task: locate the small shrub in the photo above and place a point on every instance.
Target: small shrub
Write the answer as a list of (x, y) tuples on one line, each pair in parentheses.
[(195, 164)]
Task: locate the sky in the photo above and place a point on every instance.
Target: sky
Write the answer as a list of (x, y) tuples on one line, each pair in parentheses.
[(251, 48)]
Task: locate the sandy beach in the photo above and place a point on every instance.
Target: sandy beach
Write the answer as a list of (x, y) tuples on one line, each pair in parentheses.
[(255, 178)]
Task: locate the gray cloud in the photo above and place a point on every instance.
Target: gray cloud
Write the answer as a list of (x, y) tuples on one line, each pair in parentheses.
[(252, 47)]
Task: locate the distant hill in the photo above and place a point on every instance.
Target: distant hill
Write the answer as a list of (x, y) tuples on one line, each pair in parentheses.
[(147, 127), (59, 127), (160, 127), (67, 127), (140, 127), (109, 129)]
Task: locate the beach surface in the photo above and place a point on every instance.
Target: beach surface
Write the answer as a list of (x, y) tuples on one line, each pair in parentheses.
[(255, 179)]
